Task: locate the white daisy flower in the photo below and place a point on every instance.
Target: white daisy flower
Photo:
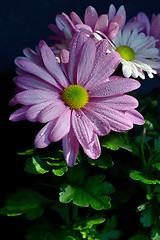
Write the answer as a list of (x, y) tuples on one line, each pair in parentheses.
[(138, 53)]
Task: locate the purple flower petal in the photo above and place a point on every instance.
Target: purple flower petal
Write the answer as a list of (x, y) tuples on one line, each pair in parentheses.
[(102, 23), (61, 127), (64, 59), (30, 97), (19, 114), (28, 81), (82, 128), (41, 140), (86, 60), (124, 102), (135, 117), (102, 69), (101, 49), (90, 17), (112, 11), (112, 31), (63, 25), (94, 150), (33, 111), (70, 148), (55, 29), (51, 65), (122, 11), (116, 119), (33, 56), (99, 124), (75, 18), (119, 19), (114, 86), (84, 28), (36, 70), (12, 102), (75, 47), (51, 111)]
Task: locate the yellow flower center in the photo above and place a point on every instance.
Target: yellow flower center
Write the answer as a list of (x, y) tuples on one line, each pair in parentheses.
[(75, 96), (126, 53)]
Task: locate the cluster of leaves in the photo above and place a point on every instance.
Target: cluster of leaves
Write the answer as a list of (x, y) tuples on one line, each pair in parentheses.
[(79, 190), (89, 200)]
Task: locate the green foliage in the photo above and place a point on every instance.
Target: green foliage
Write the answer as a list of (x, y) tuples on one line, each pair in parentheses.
[(25, 201), (47, 231), (136, 175), (36, 165), (90, 222), (114, 141), (104, 161), (147, 218), (40, 163), (109, 231), (92, 192)]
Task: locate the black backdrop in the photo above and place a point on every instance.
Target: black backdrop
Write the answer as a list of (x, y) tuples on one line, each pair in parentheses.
[(22, 24)]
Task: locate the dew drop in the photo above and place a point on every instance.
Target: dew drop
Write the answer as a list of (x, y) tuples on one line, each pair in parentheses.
[(78, 115)]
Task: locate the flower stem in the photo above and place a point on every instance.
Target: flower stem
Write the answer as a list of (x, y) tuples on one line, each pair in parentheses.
[(144, 161), (142, 147)]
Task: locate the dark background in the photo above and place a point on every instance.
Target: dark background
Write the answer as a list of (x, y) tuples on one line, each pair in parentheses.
[(22, 24)]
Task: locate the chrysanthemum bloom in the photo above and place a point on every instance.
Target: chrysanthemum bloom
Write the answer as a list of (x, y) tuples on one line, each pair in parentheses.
[(66, 27), (77, 99), (138, 53), (142, 23)]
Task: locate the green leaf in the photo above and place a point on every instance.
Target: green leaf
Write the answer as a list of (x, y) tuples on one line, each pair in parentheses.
[(58, 165), (120, 140), (104, 161), (89, 222), (155, 233), (155, 236), (147, 218), (142, 207), (109, 231), (157, 166), (136, 175), (77, 174), (24, 201), (27, 152), (40, 165), (36, 165), (91, 193)]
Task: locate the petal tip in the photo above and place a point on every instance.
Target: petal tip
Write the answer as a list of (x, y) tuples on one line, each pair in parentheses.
[(41, 43)]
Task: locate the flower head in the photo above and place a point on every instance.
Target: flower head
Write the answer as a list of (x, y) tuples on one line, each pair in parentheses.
[(78, 100), (138, 53), (66, 27)]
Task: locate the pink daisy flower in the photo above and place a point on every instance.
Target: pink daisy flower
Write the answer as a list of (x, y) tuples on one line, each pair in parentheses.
[(66, 27), (78, 100)]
